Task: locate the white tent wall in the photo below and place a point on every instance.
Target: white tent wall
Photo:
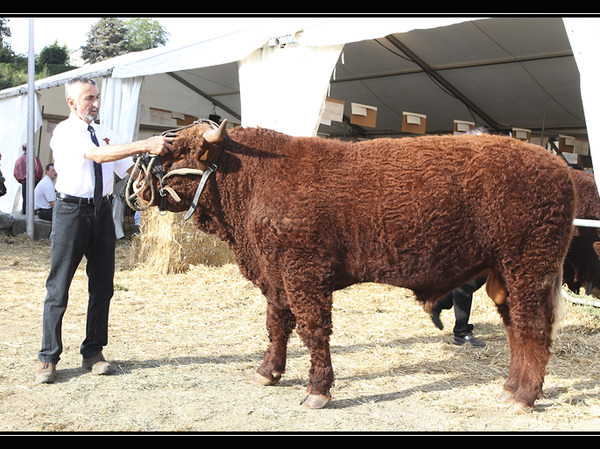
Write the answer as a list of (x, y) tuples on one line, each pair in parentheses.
[(119, 105), (119, 112), (284, 88), (13, 116)]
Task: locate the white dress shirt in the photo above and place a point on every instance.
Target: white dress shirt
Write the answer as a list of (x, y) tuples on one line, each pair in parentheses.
[(70, 141)]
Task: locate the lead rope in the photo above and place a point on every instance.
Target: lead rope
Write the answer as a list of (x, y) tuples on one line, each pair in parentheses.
[(130, 186)]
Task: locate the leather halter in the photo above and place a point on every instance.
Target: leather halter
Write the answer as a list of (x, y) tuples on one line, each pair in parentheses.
[(150, 165)]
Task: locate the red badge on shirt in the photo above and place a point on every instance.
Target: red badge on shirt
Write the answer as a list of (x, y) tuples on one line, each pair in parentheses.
[(107, 140)]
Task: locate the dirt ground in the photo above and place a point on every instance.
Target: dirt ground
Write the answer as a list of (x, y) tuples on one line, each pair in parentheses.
[(185, 346)]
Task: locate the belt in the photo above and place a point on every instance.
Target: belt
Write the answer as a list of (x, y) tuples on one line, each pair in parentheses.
[(78, 200)]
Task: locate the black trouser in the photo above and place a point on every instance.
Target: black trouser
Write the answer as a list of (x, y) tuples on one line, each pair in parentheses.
[(44, 214), (24, 197), (78, 231), (461, 298)]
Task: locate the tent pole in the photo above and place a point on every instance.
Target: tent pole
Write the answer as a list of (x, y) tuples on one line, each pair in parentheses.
[(543, 130), (30, 181)]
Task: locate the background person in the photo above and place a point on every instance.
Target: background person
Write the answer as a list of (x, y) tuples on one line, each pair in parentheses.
[(20, 174), (461, 299), (45, 194)]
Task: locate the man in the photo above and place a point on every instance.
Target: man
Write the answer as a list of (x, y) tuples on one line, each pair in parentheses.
[(20, 174), (461, 298), (45, 195), (83, 225), (2, 186)]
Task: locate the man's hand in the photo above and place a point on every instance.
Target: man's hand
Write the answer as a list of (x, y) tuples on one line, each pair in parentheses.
[(158, 144)]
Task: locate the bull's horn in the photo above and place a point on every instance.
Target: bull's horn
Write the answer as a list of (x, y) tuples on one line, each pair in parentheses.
[(216, 135)]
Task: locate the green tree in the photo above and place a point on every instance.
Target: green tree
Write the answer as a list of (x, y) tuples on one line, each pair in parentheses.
[(6, 53), (52, 59), (13, 68), (106, 39), (144, 33), (13, 74), (54, 54)]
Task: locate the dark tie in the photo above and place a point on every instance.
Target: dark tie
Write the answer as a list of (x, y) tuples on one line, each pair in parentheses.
[(97, 175)]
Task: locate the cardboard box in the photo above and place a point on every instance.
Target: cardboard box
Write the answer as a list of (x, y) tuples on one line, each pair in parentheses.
[(521, 134), (413, 123), (568, 144), (170, 118), (462, 127), (363, 115)]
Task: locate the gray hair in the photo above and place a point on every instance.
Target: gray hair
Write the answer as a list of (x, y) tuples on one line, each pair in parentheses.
[(76, 82)]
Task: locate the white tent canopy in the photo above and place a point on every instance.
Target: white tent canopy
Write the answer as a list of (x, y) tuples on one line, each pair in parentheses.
[(276, 73)]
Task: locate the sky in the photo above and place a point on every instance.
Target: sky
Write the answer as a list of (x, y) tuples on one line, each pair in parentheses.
[(72, 31)]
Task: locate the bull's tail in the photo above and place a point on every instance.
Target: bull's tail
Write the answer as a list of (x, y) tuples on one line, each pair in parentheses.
[(497, 292), (558, 301)]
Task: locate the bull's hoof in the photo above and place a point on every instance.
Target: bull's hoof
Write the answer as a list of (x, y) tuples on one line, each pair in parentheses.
[(515, 407), (519, 408), (259, 379), (506, 396), (315, 401)]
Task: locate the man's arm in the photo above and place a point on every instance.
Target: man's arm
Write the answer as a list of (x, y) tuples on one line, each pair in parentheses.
[(110, 153)]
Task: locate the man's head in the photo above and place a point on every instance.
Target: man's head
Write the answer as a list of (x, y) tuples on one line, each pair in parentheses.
[(83, 98), (50, 171)]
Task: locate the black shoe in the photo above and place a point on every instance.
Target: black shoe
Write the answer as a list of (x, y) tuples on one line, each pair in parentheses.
[(435, 317), (459, 341)]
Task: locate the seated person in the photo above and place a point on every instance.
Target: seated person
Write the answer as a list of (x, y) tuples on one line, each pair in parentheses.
[(45, 195)]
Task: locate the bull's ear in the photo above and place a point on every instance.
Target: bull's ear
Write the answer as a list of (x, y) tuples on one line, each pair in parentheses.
[(216, 135)]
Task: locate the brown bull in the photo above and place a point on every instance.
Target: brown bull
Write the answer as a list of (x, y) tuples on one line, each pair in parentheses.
[(582, 264), (307, 216)]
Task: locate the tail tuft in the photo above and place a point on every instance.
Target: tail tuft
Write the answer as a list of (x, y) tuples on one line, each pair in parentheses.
[(560, 311)]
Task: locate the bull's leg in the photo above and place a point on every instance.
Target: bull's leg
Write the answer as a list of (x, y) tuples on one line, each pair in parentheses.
[(529, 326), (526, 375), (516, 358), (514, 371), (280, 324), (312, 309)]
